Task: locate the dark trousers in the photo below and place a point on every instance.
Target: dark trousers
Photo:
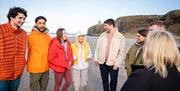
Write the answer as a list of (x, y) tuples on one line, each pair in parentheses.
[(9, 85), (105, 71), (59, 77), (39, 81)]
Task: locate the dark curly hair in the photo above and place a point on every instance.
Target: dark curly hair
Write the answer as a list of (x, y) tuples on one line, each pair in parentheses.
[(13, 12)]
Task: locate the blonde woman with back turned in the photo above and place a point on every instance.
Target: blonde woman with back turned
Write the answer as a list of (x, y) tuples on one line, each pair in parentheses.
[(161, 59)]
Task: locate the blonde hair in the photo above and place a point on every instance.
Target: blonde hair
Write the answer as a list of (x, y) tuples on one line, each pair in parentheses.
[(160, 50)]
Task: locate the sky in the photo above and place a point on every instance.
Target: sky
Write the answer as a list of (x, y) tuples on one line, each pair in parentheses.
[(79, 15)]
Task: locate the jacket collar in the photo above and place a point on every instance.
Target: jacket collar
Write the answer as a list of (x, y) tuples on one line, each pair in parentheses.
[(36, 29), (11, 29), (114, 34)]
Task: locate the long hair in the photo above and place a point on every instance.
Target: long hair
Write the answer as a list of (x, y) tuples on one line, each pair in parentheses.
[(160, 50), (59, 34)]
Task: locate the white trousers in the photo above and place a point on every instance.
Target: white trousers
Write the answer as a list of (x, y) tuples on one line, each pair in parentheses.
[(80, 79)]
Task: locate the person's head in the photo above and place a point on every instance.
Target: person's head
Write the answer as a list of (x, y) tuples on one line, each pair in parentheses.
[(160, 51), (61, 34), (157, 26), (80, 37), (109, 24), (17, 16), (40, 23), (141, 35)]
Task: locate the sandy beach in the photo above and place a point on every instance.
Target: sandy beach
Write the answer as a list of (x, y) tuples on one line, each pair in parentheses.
[(94, 78)]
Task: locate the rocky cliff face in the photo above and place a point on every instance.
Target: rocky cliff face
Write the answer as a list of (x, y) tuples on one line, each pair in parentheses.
[(129, 24)]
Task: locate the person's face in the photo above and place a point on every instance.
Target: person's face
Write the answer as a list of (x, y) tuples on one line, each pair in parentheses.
[(108, 27), (140, 38), (81, 38), (156, 27), (18, 20), (41, 24), (64, 36)]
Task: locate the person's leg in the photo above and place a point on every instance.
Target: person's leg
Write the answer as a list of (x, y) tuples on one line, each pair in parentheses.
[(4, 85), (104, 76), (68, 79), (114, 78), (44, 81), (58, 80), (14, 84), (34, 81), (84, 79), (76, 79)]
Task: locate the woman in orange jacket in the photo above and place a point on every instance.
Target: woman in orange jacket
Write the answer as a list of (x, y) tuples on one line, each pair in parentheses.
[(60, 59)]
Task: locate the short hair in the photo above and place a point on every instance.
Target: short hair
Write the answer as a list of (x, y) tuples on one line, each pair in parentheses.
[(160, 50), (110, 22), (158, 23), (40, 17), (143, 31), (13, 12)]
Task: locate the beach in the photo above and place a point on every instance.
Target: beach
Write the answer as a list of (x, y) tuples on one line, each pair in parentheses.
[(94, 78)]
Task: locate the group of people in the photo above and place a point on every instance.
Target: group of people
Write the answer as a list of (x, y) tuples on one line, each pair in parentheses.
[(43, 52), (153, 61)]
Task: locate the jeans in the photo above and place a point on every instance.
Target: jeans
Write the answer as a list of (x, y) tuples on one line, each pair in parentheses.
[(105, 71), (9, 85)]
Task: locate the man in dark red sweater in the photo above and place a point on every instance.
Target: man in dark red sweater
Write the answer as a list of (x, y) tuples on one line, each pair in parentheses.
[(12, 49)]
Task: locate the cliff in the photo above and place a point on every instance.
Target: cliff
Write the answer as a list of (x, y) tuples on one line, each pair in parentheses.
[(128, 24)]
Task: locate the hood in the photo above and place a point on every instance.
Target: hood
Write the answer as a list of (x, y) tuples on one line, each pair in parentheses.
[(36, 29), (77, 35)]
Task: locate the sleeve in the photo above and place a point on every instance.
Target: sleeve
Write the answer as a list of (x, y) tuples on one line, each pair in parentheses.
[(28, 48), (70, 55), (96, 53), (89, 52), (72, 47), (1, 45), (121, 52), (53, 57), (127, 60)]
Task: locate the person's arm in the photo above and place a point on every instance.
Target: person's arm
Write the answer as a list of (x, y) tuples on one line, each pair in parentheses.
[(70, 54), (1, 45), (53, 57), (28, 48), (89, 52), (121, 53), (96, 53)]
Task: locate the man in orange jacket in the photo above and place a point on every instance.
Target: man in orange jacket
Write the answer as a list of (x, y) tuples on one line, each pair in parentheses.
[(12, 49), (38, 45)]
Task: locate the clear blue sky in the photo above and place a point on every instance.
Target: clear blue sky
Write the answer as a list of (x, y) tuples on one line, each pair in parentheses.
[(78, 15)]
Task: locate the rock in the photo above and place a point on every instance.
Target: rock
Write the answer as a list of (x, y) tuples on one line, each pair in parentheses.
[(128, 24)]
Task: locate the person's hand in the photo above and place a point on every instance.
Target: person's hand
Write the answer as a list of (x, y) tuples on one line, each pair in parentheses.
[(115, 67), (69, 65), (96, 63)]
